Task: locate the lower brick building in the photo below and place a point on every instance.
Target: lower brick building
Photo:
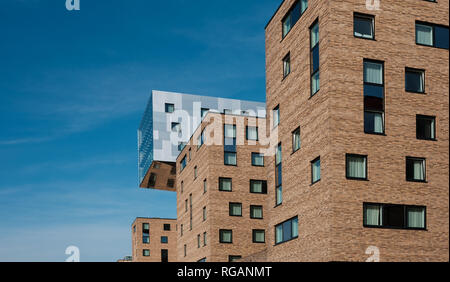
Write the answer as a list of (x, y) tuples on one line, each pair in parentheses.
[(154, 240), (221, 190)]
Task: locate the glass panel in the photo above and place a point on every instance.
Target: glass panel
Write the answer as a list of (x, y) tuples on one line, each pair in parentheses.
[(424, 34), (287, 230), (296, 140), (259, 236), (364, 27), (394, 216), (257, 212), (278, 155), (226, 236), (230, 158), (278, 175), (257, 160), (372, 215), (256, 186), (278, 234), (295, 227), (356, 167), (314, 35), (414, 81), (225, 184), (230, 131), (373, 73), (373, 122), (374, 91), (279, 195), (416, 217), (252, 133), (315, 59), (316, 171), (441, 34), (286, 25), (315, 83), (236, 209), (304, 6), (419, 170), (276, 117)]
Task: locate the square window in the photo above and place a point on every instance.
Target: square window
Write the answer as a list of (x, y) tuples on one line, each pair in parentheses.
[(169, 108), (230, 158), (426, 127), (252, 133), (416, 217), (257, 159), (259, 236), (356, 166), (164, 240), (373, 122), (256, 212), (146, 253), (166, 227), (414, 80), (225, 184), (235, 209), (315, 170), (226, 236), (424, 34), (415, 169), (373, 215), (176, 127), (364, 26), (258, 186)]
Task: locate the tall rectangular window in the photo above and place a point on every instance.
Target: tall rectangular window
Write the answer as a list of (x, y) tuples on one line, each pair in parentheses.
[(225, 236), (198, 241), (258, 186), (276, 116), (230, 156), (195, 172), (414, 80), (205, 186), (235, 209), (164, 240), (183, 163), (287, 65), (356, 167), (415, 169), (394, 216), (146, 233), (204, 213), (146, 253), (293, 15), (190, 212), (286, 231), (315, 170), (426, 127), (256, 212), (201, 139), (252, 133), (373, 97), (204, 111), (204, 239), (364, 26), (225, 184), (257, 159), (314, 58), (164, 255), (433, 35), (259, 236), (278, 176), (296, 141), (169, 108)]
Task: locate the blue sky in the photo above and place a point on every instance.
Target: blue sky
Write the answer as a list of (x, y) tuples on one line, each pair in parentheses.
[(73, 87)]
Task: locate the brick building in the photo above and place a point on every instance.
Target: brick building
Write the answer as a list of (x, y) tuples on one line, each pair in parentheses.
[(222, 190), (358, 96), (154, 240)]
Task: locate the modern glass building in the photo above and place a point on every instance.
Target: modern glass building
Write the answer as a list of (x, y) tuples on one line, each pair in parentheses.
[(168, 123)]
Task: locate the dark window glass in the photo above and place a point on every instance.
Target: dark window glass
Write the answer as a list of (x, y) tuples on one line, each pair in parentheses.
[(364, 26), (259, 236), (258, 186), (164, 239), (225, 236), (394, 216), (166, 227), (235, 209), (286, 231), (426, 127), (415, 80), (225, 184), (170, 108), (164, 255), (257, 159), (415, 169), (441, 36)]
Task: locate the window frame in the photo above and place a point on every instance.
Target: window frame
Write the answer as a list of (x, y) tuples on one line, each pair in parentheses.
[(424, 117), (414, 70), (166, 105), (287, 68), (259, 155), (311, 57), (221, 231), (254, 236), (230, 209), (263, 186), (366, 178), (256, 206), (294, 150), (383, 84), (433, 27), (364, 16), (231, 184), (312, 171), (405, 217), (281, 224), (408, 158)]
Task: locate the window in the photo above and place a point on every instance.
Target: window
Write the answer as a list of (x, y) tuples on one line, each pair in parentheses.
[(257, 159), (146, 233), (364, 26), (315, 170), (164, 240), (296, 142), (170, 108), (146, 253), (258, 186), (276, 116), (205, 186), (373, 97), (256, 212), (134, 229), (394, 216), (198, 241), (190, 212), (432, 35), (226, 236), (286, 231), (287, 65), (252, 133), (234, 258), (204, 213), (414, 80), (204, 239), (181, 230), (182, 186), (166, 227), (230, 144), (425, 127), (201, 139), (259, 236), (171, 183), (195, 172), (235, 209), (164, 255), (152, 180), (186, 205), (415, 169), (356, 167), (202, 260), (204, 111), (278, 177), (176, 127), (225, 184), (185, 250), (314, 58), (294, 14), (183, 164)]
